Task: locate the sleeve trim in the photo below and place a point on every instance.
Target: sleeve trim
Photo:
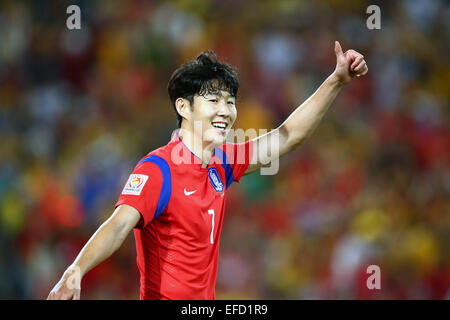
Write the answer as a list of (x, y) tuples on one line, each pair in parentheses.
[(166, 189)]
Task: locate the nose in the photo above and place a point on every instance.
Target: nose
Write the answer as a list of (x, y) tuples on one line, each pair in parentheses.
[(224, 109)]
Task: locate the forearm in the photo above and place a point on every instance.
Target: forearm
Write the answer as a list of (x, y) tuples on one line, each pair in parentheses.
[(302, 122), (103, 243)]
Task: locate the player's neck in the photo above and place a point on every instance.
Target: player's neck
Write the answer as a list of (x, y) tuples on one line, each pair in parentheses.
[(197, 146)]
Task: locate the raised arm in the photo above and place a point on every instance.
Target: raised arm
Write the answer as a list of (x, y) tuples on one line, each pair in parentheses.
[(302, 122), (105, 241)]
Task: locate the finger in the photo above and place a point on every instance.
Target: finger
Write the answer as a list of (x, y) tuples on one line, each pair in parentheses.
[(357, 62), (365, 70), (338, 49), (54, 296), (352, 53), (76, 295), (359, 67), (66, 296)]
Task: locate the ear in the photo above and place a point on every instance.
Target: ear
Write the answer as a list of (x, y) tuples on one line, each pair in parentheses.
[(183, 107)]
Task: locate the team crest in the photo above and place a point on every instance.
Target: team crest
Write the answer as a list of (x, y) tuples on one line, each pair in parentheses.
[(215, 179), (135, 184)]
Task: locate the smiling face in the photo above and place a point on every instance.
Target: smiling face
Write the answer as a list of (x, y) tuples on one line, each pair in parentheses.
[(211, 117), (216, 112)]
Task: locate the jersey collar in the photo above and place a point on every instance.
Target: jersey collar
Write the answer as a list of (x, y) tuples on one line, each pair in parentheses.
[(196, 161)]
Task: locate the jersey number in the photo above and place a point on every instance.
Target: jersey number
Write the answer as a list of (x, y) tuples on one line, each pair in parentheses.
[(211, 212)]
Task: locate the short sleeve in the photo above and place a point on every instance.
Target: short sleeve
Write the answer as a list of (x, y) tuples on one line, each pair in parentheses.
[(146, 190), (235, 158)]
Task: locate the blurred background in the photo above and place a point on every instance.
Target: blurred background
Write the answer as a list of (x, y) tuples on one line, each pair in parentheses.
[(79, 108)]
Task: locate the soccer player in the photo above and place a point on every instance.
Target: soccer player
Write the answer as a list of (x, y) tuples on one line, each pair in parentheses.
[(175, 197)]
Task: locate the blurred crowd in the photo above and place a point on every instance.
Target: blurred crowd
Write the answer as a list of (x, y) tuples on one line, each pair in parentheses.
[(79, 108)]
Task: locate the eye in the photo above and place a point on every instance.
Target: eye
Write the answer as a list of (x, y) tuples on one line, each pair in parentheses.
[(231, 103), (212, 100)]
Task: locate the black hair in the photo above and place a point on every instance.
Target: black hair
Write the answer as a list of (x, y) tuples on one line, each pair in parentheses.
[(206, 74)]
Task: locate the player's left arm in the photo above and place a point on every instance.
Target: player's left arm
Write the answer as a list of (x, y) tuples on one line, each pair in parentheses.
[(302, 122)]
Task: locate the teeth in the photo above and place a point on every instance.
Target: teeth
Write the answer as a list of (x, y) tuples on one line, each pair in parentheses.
[(219, 125)]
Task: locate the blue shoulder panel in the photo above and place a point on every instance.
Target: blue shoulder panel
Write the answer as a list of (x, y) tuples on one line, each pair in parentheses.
[(226, 165), (166, 189)]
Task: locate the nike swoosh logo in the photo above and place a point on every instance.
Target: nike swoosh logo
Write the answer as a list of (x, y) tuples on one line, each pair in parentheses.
[(188, 193)]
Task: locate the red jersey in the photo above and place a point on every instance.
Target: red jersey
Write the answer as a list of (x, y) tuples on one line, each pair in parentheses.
[(182, 207)]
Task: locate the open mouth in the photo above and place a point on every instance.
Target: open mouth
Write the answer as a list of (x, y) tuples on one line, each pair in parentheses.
[(220, 125)]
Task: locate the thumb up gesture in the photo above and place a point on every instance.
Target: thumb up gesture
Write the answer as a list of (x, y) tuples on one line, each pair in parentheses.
[(349, 64)]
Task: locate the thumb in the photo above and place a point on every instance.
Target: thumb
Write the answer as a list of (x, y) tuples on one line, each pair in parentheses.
[(338, 49), (76, 295)]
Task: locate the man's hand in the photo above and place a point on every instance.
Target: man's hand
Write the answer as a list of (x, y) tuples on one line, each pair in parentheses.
[(348, 65), (105, 241), (68, 287)]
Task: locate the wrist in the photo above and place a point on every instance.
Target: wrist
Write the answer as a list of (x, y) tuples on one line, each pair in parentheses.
[(73, 271), (335, 80), (71, 278)]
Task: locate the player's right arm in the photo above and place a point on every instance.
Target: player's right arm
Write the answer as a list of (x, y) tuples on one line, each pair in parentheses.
[(103, 243)]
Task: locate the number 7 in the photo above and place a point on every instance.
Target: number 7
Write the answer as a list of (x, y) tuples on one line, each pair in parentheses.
[(211, 211)]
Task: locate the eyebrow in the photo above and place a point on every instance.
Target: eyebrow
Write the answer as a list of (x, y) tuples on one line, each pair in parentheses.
[(219, 94)]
